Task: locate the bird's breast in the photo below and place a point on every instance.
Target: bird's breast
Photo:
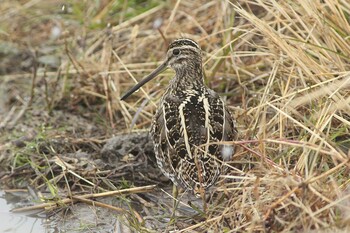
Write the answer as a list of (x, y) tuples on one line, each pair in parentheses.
[(189, 120)]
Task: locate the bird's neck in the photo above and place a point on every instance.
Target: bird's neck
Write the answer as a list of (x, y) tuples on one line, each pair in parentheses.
[(189, 77)]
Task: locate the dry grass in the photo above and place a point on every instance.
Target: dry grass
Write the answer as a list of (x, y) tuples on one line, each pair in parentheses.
[(283, 67)]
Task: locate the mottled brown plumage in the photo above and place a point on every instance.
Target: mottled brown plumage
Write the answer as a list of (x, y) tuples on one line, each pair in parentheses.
[(190, 121)]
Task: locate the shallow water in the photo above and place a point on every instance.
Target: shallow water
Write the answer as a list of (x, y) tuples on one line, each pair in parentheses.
[(21, 223), (81, 218)]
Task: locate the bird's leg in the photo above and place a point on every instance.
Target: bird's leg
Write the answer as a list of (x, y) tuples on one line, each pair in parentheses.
[(204, 200), (175, 201), (175, 205)]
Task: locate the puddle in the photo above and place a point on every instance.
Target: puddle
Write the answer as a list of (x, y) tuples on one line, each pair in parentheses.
[(11, 223), (77, 218), (81, 218)]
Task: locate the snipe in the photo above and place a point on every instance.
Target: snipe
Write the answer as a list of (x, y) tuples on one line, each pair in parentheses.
[(190, 122)]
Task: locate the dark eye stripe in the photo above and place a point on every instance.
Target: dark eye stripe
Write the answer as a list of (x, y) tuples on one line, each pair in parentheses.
[(185, 51), (182, 42)]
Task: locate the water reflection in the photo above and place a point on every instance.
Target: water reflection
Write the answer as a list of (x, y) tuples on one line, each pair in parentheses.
[(11, 223)]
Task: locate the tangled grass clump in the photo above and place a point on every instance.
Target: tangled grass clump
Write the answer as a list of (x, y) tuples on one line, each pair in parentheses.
[(282, 66)]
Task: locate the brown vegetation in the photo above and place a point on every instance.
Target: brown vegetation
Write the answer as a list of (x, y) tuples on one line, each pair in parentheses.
[(283, 67)]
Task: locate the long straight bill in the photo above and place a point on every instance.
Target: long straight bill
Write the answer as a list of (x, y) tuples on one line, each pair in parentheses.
[(148, 78)]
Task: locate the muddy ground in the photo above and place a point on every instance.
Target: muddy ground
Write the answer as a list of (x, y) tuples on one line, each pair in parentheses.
[(75, 155)]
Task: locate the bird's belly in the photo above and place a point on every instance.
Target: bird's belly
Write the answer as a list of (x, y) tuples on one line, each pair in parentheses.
[(187, 154), (187, 132)]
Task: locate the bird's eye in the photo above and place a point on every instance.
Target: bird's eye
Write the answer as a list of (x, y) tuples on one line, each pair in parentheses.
[(176, 52)]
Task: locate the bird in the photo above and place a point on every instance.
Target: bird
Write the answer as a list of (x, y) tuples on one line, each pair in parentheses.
[(190, 123)]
